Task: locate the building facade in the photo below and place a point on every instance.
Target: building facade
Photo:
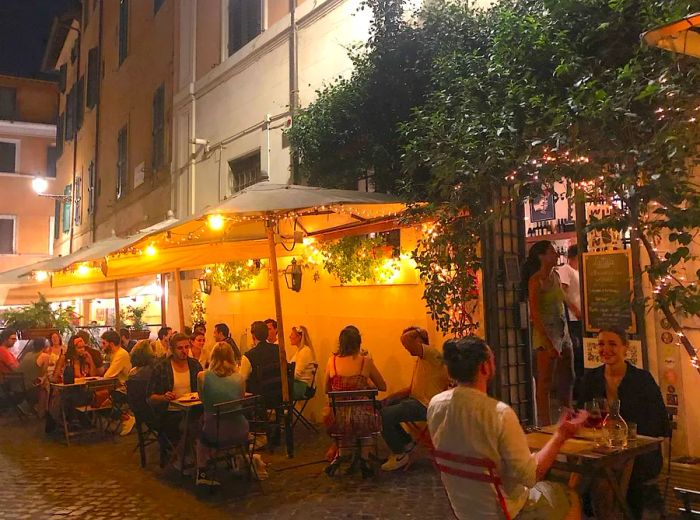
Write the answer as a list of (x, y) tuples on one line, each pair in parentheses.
[(27, 150)]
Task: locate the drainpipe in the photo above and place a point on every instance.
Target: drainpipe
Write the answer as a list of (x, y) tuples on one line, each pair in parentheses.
[(75, 140), (293, 82), (193, 107), (93, 216)]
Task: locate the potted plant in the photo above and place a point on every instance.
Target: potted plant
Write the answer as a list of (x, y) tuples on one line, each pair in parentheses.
[(39, 319), (133, 316)]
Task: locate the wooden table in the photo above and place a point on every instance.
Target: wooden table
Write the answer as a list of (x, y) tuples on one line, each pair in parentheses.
[(584, 458)]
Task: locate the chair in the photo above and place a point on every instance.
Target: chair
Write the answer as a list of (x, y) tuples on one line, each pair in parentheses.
[(347, 403), (249, 408), (298, 415), (146, 420), (94, 410), (277, 412), (421, 442), (688, 497), (15, 391), (490, 477)]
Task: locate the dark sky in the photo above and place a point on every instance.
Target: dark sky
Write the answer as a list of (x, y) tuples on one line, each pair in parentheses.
[(24, 30)]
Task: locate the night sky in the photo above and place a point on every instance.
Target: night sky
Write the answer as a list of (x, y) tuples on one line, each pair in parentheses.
[(24, 30)]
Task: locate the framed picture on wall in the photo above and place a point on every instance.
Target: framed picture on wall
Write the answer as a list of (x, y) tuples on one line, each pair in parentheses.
[(542, 208), (511, 267)]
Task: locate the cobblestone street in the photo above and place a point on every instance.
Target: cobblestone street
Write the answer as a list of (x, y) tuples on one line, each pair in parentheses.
[(102, 479)]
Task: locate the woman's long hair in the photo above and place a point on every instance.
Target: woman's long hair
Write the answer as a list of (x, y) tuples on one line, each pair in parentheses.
[(305, 338), (222, 361), (532, 264), (60, 339), (72, 355), (349, 341)]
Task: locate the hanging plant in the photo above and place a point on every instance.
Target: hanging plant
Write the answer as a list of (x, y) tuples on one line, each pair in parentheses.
[(39, 315), (199, 311), (235, 275), (354, 259)]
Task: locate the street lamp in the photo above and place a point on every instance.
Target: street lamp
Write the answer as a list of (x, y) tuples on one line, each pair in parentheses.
[(40, 185)]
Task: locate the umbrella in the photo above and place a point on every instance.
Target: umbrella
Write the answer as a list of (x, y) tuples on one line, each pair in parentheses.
[(681, 36)]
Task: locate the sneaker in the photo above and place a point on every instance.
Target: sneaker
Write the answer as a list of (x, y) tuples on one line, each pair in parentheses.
[(204, 479), (128, 425), (260, 467), (395, 462)]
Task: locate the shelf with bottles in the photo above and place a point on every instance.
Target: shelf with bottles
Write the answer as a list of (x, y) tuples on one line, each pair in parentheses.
[(561, 229)]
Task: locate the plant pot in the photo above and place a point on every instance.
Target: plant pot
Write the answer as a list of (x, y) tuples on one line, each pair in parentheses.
[(140, 334), (37, 333)]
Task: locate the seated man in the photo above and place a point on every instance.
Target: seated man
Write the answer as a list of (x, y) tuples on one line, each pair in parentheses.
[(120, 363), (161, 346), (8, 361), (264, 357), (411, 404), (466, 421), (127, 342)]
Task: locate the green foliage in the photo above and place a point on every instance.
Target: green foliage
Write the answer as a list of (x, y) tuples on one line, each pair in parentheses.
[(352, 259), (199, 311), (39, 315), (235, 275), (132, 316)]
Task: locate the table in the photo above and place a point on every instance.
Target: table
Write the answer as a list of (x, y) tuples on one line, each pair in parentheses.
[(186, 406), (583, 458)]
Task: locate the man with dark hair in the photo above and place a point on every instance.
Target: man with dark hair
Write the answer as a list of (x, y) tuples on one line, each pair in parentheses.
[(264, 359), (161, 346), (119, 367), (570, 283), (411, 404), (127, 342), (271, 330), (222, 333), (200, 327), (8, 361), (466, 422)]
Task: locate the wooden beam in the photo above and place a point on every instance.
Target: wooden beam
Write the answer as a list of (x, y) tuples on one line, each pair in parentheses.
[(163, 307), (278, 311), (180, 304)]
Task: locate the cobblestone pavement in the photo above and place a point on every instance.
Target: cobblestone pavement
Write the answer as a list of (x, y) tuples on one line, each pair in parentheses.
[(101, 479)]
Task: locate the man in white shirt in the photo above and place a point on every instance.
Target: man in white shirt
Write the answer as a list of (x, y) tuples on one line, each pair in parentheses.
[(119, 367), (411, 404), (466, 422), (570, 283)]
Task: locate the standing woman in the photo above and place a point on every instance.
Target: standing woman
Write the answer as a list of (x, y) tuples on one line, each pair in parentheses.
[(550, 337)]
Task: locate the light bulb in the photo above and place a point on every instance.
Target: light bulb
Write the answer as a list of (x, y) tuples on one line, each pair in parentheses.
[(40, 185), (215, 222), (151, 250)]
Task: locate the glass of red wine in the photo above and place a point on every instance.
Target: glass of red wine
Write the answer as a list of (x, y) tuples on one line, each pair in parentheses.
[(597, 411)]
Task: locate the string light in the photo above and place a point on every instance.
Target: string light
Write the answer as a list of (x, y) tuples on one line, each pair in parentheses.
[(151, 250), (41, 276), (215, 222)]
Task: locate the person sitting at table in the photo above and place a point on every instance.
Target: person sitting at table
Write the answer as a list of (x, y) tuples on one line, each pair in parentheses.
[(303, 359), (161, 346), (8, 361), (411, 404), (641, 403), (262, 357), (90, 348), (142, 361), (120, 363), (173, 377), (53, 352), (347, 370), (196, 345), (76, 355), (127, 342), (466, 422), (220, 383), (33, 367)]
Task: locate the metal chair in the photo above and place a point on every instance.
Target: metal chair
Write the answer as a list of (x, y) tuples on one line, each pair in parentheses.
[(298, 414), (351, 402), (488, 474), (688, 497), (94, 411), (147, 427), (277, 412)]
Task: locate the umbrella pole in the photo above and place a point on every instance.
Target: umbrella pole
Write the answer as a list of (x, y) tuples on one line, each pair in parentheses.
[(117, 317), (162, 300), (180, 307)]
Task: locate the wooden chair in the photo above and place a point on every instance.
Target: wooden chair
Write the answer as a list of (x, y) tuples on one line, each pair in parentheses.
[(95, 411), (298, 414), (347, 400), (688, 497), (487, 475)]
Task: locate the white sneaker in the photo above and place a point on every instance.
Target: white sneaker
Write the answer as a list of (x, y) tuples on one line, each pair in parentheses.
[(128, 425), (395, 462)]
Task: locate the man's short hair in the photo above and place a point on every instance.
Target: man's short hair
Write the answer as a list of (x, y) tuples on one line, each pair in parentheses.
[(572, 251), (177, 338), (223, 329), (5, 334), (124, 333), (259, 330), (111, 336), (199, 324), (163, 331), (422, 333), (195, 334), (464, 356), (270, 320)]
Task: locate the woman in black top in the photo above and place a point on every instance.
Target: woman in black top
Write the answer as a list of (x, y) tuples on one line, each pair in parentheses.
[(640, 403)]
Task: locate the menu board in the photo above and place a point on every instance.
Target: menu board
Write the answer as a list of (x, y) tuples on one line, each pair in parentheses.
[(607, 290)]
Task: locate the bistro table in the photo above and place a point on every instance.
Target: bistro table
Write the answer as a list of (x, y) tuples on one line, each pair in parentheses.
[(591, 462)]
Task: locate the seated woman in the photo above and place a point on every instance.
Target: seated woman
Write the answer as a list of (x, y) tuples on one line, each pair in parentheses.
[(348, 369), (33, 367), (304, 359), (640, 403), (142, 361), (220, 383)]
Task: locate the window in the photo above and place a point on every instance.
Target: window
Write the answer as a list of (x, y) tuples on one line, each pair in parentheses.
[(244, 22), (8, 157), (59, 134), (51, 157), (157, 4), (80, 103), (70, 113), (67, 205), (78, 201), (122, 163), (7, 234), (62, 78), (158, 132), (92, 188), (244, 172), (8, 103), (93, 77), (123, 30)]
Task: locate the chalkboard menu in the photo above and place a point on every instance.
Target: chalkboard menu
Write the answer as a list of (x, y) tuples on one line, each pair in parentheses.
[(607, 290)]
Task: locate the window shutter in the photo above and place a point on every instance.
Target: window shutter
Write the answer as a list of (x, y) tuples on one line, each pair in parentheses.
[(123, 30), (67, 205), (59, 134), (80, 103), (51, 157), (93, 79), (8, 156), (158, 130), (7, 236)]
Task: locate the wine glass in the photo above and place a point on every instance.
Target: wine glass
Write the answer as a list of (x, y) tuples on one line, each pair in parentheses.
[(595, 417)]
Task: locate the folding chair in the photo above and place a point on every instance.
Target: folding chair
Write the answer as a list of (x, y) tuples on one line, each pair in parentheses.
[(249, 408), (488, 474), (15, 391), (147, 427), (688, 497), (94, 410), (345, 401), (298, 414), (277, 412)]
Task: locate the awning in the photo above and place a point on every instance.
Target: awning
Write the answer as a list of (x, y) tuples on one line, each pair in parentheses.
[(681, 36)]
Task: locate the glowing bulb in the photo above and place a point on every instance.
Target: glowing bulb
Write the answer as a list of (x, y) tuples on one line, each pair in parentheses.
[(41, 276), (151, 250), (40, 185), (83, 270), (215, 222)]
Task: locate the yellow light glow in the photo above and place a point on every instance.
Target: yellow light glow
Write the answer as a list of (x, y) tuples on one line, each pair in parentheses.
[(307, 241), (83, 270), (215, 222), (151, 250), (41, 276)]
